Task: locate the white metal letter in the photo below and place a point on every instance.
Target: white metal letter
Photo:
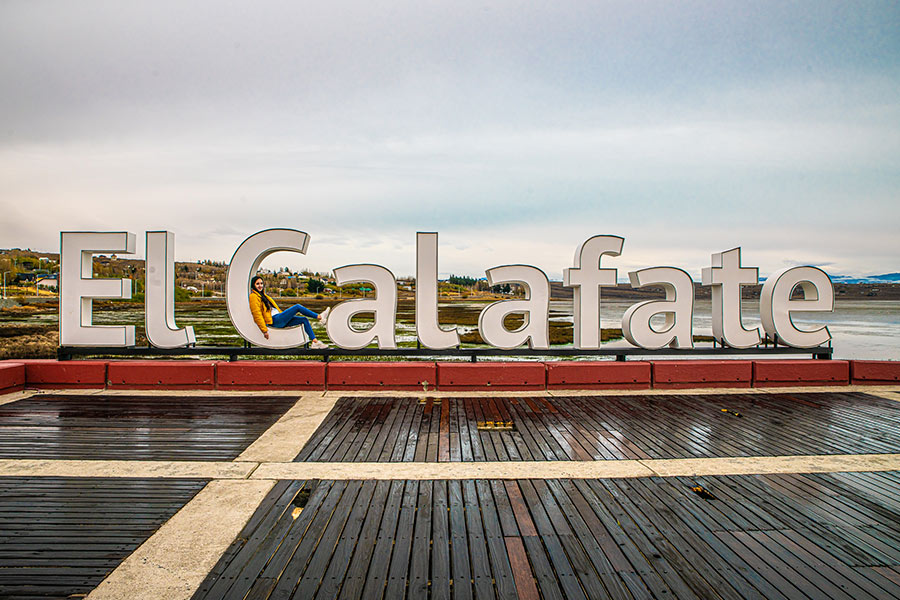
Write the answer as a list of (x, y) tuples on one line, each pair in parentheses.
[(159, 293), (384, 305), (243, 266), (427, 328), (536, 307), (678, 308), (77, 288), (776, 306), (587, 278), (726, 276)]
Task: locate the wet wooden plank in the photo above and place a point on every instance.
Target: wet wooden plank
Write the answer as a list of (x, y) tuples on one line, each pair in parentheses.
[(524, 524), (459, 542), (270, 548), (355, 578), (476, 449), (419, 574), (826, 588), (454, 427), (544, 575), (521, 570), (847, 578), (768, 565), (414, 432), (338, 425), (387, 433), (402, 433), (377, 575), (440, 545), (578, 557), (376, 430), (608, 559), (504, 509), (565, 574), (444, 432), (399, 567), (531, 446), (694, 537), (62, 426), (347, 545), (73, 532), (321, 557), (853, 547), (493, 533), (290, 560), (482, 579)]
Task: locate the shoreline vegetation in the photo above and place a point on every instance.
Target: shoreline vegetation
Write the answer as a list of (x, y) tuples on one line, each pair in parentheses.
[(30, 330), (29, 326)]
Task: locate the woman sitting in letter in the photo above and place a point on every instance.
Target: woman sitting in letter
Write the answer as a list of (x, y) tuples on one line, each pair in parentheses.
[(266, 313)]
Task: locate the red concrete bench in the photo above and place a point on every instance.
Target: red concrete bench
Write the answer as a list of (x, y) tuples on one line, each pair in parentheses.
[(782, 373), (65, 374), (598, 375), (381, 376), (680, 374), (163, 374), (270, 375), (491, 376), (12, 377), (874, 372)]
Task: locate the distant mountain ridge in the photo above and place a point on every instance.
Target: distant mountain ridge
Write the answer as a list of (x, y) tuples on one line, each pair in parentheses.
[(886, 278)]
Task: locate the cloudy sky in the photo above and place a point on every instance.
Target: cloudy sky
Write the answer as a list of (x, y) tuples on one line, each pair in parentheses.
[(515, 129)]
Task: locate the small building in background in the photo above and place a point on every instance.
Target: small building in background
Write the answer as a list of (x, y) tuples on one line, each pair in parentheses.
[(49, 282)]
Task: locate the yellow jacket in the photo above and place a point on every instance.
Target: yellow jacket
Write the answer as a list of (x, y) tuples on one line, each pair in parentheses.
[(261, 314)]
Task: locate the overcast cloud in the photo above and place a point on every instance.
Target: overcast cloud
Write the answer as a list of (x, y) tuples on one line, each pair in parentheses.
[(516, 130)]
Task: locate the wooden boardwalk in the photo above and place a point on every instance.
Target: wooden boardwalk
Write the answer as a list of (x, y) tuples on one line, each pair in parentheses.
[(64, 426), (788, 535), (380, 429), (784, 536), (60, 536)]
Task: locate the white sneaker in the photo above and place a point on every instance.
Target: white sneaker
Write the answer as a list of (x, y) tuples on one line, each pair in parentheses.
[(323, 316), (318, 344)]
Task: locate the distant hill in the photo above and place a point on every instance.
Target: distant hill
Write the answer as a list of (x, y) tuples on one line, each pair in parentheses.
[(886, 278)]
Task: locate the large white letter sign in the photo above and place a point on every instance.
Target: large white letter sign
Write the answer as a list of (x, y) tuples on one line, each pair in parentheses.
[(243, 266), (726, 276), (384, 305), (678, 308), (427, 328), (78, 288), (159, 294), (776, 306), (587, 277), (536, 307)]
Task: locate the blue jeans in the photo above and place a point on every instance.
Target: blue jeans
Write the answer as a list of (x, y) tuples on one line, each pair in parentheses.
[(290, 318)]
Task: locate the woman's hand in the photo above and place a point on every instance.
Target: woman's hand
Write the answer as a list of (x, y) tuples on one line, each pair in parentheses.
[(266, 334)]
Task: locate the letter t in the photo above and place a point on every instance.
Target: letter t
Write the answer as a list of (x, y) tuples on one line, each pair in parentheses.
[(726, 276)]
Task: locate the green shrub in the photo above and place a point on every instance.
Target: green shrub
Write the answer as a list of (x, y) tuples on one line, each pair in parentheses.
[(315, 286)]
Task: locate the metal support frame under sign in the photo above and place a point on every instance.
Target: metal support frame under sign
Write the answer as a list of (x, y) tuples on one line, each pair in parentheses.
[(473, 354)]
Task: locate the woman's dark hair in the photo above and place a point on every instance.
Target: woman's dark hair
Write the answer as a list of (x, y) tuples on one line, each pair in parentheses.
[(265, 299)]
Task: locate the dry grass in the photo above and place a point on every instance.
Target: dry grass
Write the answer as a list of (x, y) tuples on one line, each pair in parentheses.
[(28, 341), (560, 332), (28, 310)]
